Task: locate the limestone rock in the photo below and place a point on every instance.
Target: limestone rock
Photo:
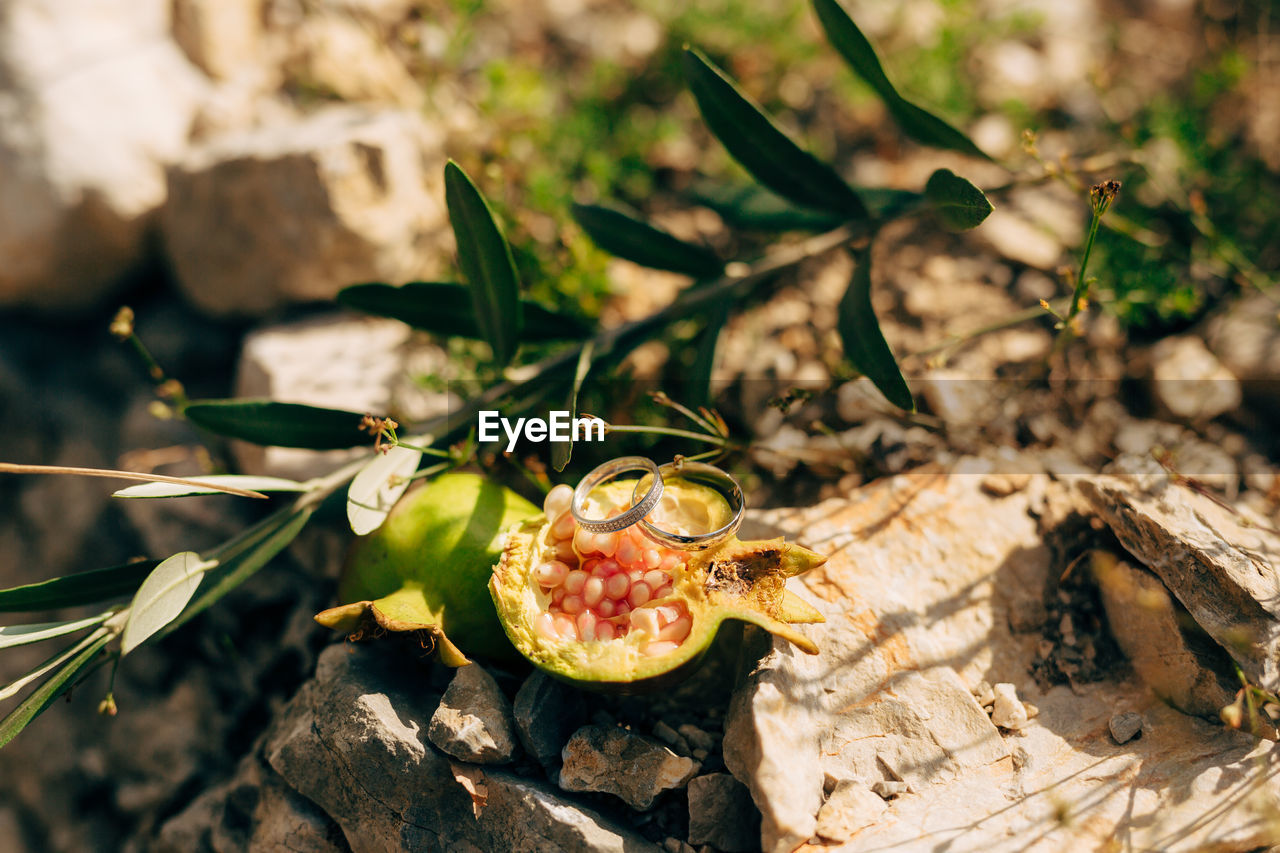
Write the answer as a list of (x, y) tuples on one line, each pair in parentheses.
[(1007, 711), (851, 807), (547, 713), (1176, 659), (220, 36), (354, 742), (721, 814), (254, 810), (95, 101), (916, 595), (305, 208), (615, 761), (1220, 565), (341, 361), (473, 722), (1246, 337), (1189, 381)]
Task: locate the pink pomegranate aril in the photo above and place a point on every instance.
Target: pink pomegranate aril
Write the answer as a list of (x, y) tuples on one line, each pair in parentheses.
[(603, 585)]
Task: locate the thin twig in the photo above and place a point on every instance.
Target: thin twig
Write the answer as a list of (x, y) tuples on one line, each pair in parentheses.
[(13, 468)]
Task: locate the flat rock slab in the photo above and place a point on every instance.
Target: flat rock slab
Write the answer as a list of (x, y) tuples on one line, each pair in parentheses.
[(1221, 565), (927, 574)]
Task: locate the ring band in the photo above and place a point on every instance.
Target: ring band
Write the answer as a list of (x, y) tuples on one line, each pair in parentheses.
[(707, 475), (609, 471)]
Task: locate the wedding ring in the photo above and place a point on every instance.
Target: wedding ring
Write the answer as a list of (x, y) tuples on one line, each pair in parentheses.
[(610, 471), (705, 475)]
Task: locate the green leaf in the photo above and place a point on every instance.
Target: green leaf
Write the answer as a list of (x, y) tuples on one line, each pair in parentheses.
[(704, 358), (243, 481), (446, 309), (625, 234), (275, 424), (77, 657), (375, 490), (486, 264), (752, 207), (762, 149), (562, 451), (960, 205), (864, 343), (21, 635), (917, 123), (162, 597), (81, 588), (260, 543)]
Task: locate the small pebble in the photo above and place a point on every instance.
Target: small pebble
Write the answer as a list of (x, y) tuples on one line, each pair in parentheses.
[(700, 754), (1008, 712), (1125, 727), (665, 733), (985, 695), (887, 790), (697, 738)]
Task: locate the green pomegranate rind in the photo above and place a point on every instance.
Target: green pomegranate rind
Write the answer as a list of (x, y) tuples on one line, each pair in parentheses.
[(427, 568), (711, 593)]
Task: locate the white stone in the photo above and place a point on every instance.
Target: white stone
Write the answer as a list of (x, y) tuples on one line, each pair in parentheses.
[(95, 101), (338, 361), (1008, 712), (1189, 380), (295, 212)]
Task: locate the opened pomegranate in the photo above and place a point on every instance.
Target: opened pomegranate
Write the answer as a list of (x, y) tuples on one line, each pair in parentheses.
[(620, 608)]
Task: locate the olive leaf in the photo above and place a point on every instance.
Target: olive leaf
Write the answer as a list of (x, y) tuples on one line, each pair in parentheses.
[(486, 262), (80, 588), (917, 123), (75, 658), (864, 343), (268, 422), (704, 358), (762, 149), (752, 207), (562, 451), (240, 558), (375, 490), (959, 204), (21, 635), (445, 309), (623, 233), (243, 481), (162, 596)]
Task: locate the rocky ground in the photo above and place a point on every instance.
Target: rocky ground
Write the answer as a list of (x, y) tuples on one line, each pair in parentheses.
[(1040, 591)]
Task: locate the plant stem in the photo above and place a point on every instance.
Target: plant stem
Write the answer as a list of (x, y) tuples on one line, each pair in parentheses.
[(13, 468), (1081, 292)]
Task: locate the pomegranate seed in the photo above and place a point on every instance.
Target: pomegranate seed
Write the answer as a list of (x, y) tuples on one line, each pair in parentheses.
[(667, 614), (670, 562), (607, 608), (587, 625), (576, 580), (635, 575), (645, 620), (654, 650), (652, 559), (551, 573), (572, 604), (563, 526), (605, 568), (677, 630), (639, 594), (617, 586), (662, 593), (557, 594), (622, 609), (557, 501), (565, 627), (593, 591), (607, 543), (564, 552), (627, 552), (545, 625), (584, 541), (655, 579), (606, 631)]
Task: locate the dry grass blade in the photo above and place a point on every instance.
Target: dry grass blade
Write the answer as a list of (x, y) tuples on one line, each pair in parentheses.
[(13, 468)]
